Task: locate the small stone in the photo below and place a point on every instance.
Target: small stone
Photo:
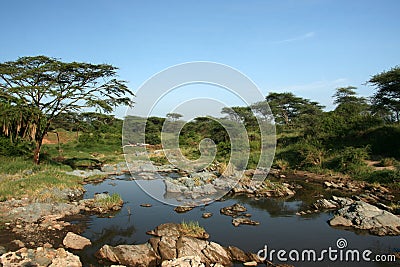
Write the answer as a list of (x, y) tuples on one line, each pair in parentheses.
[(340, 221), (207, 215), (182, 209), (47, 245), (238, 221), (250, 263)]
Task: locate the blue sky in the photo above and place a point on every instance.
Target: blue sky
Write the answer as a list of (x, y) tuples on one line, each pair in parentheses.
[(307, 47)]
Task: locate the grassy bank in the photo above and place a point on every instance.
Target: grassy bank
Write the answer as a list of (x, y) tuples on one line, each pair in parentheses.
[(20, 177)]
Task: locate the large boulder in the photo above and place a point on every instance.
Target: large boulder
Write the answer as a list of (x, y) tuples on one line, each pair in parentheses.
[(172, 246), (74, 241), (362, 215), (130, 255)]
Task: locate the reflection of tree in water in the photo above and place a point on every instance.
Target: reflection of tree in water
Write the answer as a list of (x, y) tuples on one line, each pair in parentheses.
[(301, 201), (113, 235)]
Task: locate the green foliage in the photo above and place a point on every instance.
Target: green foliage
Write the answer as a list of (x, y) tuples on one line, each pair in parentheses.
[(192, 228), (351, 161), (384, 176), (47, 88), (19, 147), (109, 201), (386, 100)]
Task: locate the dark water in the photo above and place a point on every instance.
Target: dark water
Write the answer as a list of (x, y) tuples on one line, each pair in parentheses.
[(279, 227)]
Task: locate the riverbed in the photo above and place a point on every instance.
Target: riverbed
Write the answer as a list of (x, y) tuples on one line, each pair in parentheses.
[(279, 228)]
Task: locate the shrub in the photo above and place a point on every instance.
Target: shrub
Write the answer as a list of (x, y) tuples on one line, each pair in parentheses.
[(17, 148), (384, 176), (192, 228)]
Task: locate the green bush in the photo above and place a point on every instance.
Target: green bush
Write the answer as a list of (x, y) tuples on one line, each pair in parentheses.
[(351, 160), (384, 176), (16, 148)]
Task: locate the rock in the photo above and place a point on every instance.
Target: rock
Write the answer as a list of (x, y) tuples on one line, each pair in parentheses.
[(166, 229), (368, 217), (40, 257), (250, 263), (165, 245), (187, 261), (340, 221), (176, 230), (233, 210), (238, 221), (211, 252), (171, 247), (342, 201), (324, 204), (146, 205), (18, 243), (2, 250), (74, 241), (237, 254), (65, 258), (206, 215), (215, 253), (130, 255), (172, 187), (207, 189), (182, 209)]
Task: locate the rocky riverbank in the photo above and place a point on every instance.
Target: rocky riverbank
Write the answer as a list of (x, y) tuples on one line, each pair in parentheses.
[(172, 246)]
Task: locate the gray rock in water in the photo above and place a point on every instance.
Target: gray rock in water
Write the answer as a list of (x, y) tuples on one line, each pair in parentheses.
[(172, 187), (324, 204), (238, 221), (233, 210), (207, 189), (367, 217)]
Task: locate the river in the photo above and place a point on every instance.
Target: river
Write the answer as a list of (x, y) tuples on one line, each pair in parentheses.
[(280, 227)]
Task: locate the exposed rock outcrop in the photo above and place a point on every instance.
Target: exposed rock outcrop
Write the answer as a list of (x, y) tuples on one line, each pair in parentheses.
[(361, 215), (40, 257), (172, 246)]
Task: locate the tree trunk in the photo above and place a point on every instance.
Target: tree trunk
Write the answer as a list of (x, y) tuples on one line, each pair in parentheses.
[(36, 153)]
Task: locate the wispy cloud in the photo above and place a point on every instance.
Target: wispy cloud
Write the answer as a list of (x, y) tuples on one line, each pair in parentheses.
[(297, 38)]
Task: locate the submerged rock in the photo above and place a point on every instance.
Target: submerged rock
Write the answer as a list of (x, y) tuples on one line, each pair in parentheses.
[(233, 210), (206, 215), (238, 221), (182, 209), (362, 215)]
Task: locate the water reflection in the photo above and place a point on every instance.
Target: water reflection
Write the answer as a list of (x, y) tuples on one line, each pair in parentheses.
[(279, 227)]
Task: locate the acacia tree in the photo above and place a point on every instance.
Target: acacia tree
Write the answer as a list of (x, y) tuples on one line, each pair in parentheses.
[(387, 96), (289, 109), (348, 102), (47, 87), (174, 116)]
